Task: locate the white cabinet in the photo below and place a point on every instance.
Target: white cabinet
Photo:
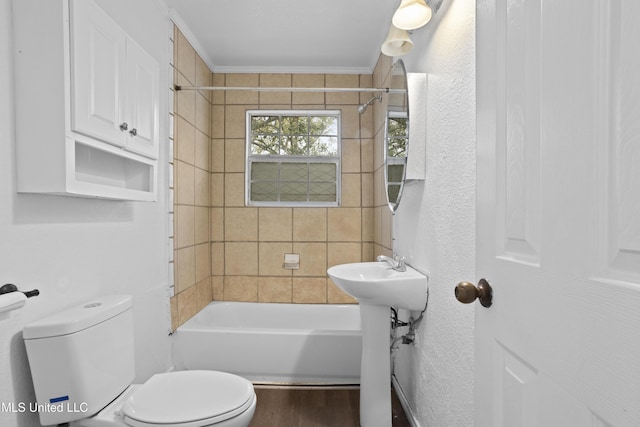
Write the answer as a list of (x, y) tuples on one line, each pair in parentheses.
[(87, 103), (114, 83)]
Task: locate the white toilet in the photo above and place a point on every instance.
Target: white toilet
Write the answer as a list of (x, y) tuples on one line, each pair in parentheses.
[(82, 364)]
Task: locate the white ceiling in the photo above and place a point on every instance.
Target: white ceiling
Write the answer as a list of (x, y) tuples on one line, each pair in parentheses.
[(321, 36)]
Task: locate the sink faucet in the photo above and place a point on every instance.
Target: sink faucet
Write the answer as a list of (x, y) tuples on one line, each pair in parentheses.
[(396, 263)]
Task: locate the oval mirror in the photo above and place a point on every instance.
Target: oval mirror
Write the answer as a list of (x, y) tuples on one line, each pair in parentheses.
[(396, 136)]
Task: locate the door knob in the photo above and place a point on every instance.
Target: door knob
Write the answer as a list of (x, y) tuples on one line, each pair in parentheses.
[(467, 292)]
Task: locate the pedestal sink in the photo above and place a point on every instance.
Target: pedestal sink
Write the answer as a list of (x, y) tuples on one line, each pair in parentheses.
[(377, 287)]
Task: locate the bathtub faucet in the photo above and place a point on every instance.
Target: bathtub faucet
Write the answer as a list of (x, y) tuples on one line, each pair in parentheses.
[(396, 263)]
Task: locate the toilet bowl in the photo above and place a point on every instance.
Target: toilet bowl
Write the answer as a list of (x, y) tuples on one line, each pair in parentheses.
[(82, 366)]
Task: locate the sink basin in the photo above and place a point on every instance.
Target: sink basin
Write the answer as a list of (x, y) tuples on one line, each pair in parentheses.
[(377, 287), (378, 284)]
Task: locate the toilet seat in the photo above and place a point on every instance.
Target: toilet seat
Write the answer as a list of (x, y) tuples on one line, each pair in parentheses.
[(188, 399)]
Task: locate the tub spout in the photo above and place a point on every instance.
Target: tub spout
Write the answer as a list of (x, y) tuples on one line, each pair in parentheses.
[(396, 263)]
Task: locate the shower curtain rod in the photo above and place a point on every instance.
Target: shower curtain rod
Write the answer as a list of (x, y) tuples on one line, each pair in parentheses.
[(292, 89)]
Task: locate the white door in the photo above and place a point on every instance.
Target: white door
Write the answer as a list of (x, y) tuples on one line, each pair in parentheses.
[(98, 49), (558, 93)]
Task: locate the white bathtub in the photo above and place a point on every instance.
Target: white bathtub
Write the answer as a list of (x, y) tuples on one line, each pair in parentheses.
[(274, 343)]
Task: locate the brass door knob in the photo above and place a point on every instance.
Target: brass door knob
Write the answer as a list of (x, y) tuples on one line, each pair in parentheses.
[(467, 292)]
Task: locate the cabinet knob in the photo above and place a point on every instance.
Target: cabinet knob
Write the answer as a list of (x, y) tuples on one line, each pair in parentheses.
[(124, 126), (133, 132)]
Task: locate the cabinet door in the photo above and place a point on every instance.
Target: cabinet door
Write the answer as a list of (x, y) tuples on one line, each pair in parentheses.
[(98, 55), (142, 101)]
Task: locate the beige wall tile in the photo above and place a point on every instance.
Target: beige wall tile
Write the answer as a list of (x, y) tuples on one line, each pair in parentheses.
[(310, 224), (308, 80), (350, 121), (217, 121), (202, 192), (342, 80), (217, 259), (351, 192), (366, 122), (344, 225), (366, 152), (241, 258), (308, 290), (241, 97), (202, 149), (366, 80), (203, 262), (343, 253), (184, 221), (271, 259), (241, 224), (275, 224), (203, 114), (368, 252), (185, 265), (350, 155), (184, 183), (234, 155), (217, 155), (275, 80), (184, 140), (234, 189), (201, 225), (185, 60), (185, 101), (217, 189), (274, 289), (241, 288), (217, 288), (187, 304), (367, 189), (368, 221), (313, 259), (203, 292), (218, 96), (203, 76), (216, 227), (235, 120), (175, 318)]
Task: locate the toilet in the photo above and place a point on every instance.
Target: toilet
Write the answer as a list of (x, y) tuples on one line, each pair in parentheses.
[(82, 365)]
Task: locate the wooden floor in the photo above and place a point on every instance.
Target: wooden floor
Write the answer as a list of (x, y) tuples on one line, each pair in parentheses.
[(316, 407)]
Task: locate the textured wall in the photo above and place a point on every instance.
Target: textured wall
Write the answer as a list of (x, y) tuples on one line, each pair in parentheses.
[(74, 249), (435, 224)]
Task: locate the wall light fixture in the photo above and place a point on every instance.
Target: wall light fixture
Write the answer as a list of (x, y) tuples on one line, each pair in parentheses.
[(411, 15)]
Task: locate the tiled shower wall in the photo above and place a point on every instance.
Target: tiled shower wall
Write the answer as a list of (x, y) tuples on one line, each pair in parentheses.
[(248, 243), (224, 250), (191, 179)]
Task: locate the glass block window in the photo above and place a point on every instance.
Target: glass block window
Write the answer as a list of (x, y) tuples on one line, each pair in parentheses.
[(293, 158)]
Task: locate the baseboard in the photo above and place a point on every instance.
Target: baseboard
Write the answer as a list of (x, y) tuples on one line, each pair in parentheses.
[(404, 402)]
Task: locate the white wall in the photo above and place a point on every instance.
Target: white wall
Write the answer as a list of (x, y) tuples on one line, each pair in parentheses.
[(435, 223), (74, 249)]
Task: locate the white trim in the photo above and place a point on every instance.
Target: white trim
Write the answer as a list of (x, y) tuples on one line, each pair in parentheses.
[(404, 402), (252, 69), (191, 38)]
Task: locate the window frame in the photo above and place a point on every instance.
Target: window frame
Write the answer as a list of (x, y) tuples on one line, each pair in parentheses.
[(278, 158)]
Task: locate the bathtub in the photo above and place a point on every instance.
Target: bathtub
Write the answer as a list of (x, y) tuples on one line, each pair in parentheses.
[(274, 343)]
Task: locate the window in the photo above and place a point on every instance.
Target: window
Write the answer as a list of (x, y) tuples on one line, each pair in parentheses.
[(293, 158)]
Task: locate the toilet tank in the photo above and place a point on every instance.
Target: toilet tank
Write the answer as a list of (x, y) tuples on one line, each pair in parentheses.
[(81, 358)]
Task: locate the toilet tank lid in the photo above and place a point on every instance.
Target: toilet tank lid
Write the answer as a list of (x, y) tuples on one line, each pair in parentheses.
[(79, 317)]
